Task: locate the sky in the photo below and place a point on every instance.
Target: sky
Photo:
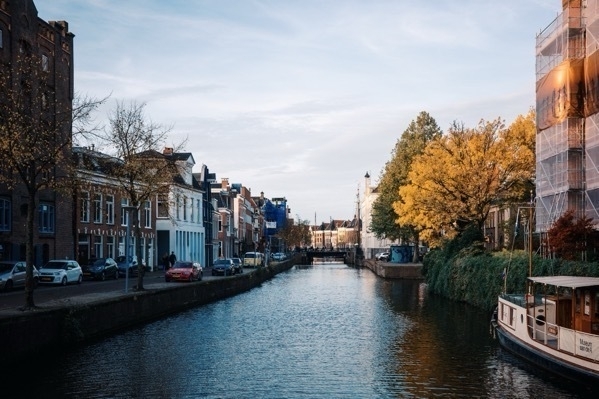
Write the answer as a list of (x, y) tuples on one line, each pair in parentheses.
[(301, 98)]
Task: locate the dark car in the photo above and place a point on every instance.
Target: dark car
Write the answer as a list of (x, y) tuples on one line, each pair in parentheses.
[(12, 275), (184, 271), (237, 265), (132, 264), (101, 269), (223, 267)]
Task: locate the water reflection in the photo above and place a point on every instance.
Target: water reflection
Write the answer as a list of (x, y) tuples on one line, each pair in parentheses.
[(321, 331)]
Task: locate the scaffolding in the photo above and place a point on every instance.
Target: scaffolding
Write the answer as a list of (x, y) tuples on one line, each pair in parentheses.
[(561, 108)]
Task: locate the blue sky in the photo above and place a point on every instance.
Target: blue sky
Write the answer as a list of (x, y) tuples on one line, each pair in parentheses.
[(301, 98)]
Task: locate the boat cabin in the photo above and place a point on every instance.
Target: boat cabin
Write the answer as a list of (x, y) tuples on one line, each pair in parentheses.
[(566, 301)]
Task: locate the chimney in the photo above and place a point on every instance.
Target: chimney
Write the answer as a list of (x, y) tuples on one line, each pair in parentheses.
[(168, 151), (224, 182)]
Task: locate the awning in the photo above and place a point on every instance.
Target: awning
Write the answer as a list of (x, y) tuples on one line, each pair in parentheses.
[(566, 281)]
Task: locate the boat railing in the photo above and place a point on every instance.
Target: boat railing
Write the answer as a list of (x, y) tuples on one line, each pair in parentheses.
[(516, 299), (544, 331)]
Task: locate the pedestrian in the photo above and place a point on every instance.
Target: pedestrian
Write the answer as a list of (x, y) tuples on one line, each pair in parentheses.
[(165, 261), (172, 259)]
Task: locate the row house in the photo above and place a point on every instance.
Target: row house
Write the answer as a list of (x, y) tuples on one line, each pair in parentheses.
[(223, 195), (210, 215), (246, 226), (180, 222), (101, 213), (22, 32)]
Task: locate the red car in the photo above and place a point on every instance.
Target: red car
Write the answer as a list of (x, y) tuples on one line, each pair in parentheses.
[(184, 271)]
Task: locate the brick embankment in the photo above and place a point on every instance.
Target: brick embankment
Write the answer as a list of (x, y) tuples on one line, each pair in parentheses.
[(83, 318), (408, 271)]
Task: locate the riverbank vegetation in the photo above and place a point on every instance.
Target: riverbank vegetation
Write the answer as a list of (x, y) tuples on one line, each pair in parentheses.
[(462, 270)]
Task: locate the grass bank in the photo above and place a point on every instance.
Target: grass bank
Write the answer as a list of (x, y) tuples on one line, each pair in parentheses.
[(475, 276)]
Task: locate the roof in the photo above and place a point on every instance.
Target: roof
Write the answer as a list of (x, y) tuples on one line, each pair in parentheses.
[(566, 281)]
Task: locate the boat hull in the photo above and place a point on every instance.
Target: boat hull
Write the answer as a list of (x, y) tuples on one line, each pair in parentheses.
[(544, 360)]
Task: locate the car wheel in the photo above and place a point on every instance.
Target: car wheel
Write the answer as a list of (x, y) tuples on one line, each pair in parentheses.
[(64, 281), (116, 275), (36, 282), (201, 276), (80, 279), (103, 276), (168, 280), (191, 278), (8, 286)]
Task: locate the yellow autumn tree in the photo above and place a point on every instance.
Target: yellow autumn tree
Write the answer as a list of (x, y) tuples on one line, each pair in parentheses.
[(453, 184)]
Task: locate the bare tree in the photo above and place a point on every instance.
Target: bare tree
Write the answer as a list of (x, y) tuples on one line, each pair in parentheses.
[(36, 116), (145, 172)]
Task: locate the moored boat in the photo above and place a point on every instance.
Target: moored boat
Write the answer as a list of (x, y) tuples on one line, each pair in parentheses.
[(554, 325)]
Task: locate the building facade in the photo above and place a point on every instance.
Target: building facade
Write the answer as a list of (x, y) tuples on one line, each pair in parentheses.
[(180, 223), (371, 245), (100, 215), (567, 106), (50, 47)]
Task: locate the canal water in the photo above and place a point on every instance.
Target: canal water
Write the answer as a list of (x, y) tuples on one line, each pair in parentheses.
[(321, 331)]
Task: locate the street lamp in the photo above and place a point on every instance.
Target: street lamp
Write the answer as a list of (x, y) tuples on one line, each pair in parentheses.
[(128, 210)]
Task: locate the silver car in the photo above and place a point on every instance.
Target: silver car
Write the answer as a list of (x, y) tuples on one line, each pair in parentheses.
[(12, 275)]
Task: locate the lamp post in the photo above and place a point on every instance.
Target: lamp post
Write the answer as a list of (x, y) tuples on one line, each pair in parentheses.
[(128, 210)]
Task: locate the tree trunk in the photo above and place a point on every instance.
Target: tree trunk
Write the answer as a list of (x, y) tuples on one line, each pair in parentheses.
[(29, 303), (138, 252), (416, 257)]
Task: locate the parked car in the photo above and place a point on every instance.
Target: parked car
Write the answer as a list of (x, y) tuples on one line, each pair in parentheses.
[(100, 269), (382, 256), (12, 275), (237, 265), (132, 264), (61, 272), (253, 259), (184, 271), (223, 266), (279, 256)]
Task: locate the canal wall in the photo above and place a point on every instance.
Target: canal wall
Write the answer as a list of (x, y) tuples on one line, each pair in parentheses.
[(408, 271), (81, 319)]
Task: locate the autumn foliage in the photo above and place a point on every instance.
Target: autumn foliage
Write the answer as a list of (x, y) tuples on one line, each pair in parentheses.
[(568, 237)]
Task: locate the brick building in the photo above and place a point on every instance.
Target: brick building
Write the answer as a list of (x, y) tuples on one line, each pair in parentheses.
[(47, 97)]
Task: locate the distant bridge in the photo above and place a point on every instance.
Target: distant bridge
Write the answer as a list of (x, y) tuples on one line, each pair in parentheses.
[(340, 255)]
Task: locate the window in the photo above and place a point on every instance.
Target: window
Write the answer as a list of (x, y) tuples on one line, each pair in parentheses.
[(220, 223), (124, 213), (46, 218), (191, 210), (178, 206), (98, 208), (148, 214), (5, 210), (45, 63), (84, 207), (110, 247), (110, 209), (1, 35), (98, 246), (162, 204), (184, 204)]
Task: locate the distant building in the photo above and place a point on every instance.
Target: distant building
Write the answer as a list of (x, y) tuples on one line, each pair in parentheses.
[(371, 245)]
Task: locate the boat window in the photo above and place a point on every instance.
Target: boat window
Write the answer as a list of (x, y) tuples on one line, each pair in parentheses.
[(597, 305), (577, 301), (587, 303)]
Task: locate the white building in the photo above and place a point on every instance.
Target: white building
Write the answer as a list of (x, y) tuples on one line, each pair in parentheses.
[(370, 244), (179, 226)]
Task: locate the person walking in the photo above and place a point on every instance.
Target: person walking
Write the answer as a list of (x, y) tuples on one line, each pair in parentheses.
[(165, 261), (172, 259)]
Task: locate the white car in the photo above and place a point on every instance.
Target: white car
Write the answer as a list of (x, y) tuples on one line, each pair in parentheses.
[(278, 256), (61, 272), (383, 256)]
